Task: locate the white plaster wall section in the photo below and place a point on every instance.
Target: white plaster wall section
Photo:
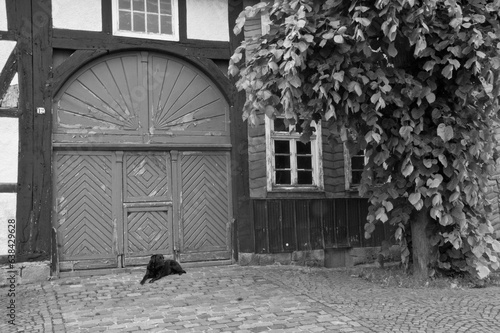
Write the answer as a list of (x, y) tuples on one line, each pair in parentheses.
[(9, 139), (3, 16), (77, 15), (207, 20)]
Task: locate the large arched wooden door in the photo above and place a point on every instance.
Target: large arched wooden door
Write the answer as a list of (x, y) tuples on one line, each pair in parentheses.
[(141, 164)]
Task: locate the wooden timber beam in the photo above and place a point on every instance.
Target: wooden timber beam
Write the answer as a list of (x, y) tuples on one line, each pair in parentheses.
[(8, 72), (87, 40)]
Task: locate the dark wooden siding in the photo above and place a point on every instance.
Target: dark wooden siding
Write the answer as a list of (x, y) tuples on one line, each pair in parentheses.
[(257, 159), (333, 166), (286, 225)]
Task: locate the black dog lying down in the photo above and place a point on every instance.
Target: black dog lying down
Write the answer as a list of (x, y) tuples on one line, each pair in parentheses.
[(158, 267)]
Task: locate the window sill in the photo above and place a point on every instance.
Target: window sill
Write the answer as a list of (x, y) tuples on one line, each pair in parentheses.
[(296, 193)]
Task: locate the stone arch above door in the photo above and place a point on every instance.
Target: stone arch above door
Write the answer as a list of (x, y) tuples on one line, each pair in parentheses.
[(141, 98)]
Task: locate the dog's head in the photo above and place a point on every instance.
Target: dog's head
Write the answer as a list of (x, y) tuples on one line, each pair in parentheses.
[(156, 261)]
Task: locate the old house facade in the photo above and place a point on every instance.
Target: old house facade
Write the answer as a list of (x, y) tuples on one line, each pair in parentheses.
[(131, 142)]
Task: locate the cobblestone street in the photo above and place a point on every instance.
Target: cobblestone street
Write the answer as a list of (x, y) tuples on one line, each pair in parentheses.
[(247, 299)]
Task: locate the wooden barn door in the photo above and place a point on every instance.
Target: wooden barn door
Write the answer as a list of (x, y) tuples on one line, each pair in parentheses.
[(206, 206), (86, 190), (129, 181)]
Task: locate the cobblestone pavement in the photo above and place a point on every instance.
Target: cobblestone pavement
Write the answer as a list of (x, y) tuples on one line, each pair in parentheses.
[(247, 299)]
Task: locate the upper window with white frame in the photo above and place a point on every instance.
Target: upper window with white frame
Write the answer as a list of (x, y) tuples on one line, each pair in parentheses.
[(154, 19), (355, 165), (292, 164)]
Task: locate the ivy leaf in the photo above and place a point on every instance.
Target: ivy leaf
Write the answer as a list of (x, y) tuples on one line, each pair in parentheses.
[(330, 113), (456, 22), (339, 76), (328, 35), (338, 39), (482, 271), (405, 132), (445, 132), (392, 50), (443, 160), (363, 20), (454, 197), (434, 183), (369, 228), (430, 98), (408, 170), (448, 71), (414, 198), (421, 45)]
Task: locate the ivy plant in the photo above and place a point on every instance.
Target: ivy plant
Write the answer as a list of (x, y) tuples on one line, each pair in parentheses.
[(413, 83)]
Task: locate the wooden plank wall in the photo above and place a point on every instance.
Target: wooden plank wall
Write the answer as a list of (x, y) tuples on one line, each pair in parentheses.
[(286, 225)]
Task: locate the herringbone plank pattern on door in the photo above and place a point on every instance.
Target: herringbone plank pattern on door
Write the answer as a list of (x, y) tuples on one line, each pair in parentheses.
[(84, 200), (146, 176), (148, 231), (205, 202)]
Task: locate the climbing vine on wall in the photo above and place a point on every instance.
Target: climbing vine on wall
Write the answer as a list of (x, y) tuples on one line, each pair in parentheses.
[(413, 83)]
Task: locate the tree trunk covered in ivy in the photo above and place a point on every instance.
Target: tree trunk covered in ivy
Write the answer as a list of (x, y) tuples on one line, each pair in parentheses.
[(415, 84), (424, 253)]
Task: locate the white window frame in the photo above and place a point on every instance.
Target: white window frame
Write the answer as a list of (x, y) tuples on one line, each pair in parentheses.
[(175, 25), (349, 186), (316, 152)]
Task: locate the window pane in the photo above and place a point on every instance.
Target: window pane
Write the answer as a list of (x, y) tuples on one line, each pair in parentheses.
[(279, 125), (139, 22), (357, 162), (298, 126), (303, 148), (153, 23), (124, 4), (152, 6), (283, 177), (139, 5), (166, 7), (304, 177), (281, 147), (166, 25), (282, 162), (356, 177), (304, 162), (125, 21)]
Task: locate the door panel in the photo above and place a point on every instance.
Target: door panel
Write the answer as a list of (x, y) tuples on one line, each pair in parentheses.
[(147, 206), (205, 221), (149, 230), (85, 217), (147, 177)]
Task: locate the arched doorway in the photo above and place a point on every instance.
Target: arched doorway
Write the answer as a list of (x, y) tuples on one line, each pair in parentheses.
[(141, 163)]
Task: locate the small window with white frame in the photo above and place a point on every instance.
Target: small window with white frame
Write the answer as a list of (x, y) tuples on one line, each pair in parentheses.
[(355, 164), (153, 19), (292, 164)]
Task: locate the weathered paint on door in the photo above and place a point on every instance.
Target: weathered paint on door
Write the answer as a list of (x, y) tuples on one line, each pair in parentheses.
[(147, 203), (206, 206), (140, 119), (85, 212)]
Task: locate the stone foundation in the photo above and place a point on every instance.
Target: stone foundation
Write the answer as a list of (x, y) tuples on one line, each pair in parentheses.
[(342, 257), (25, 272)]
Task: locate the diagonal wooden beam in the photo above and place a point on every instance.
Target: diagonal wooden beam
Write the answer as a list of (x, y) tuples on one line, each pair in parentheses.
[(8, 72)]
